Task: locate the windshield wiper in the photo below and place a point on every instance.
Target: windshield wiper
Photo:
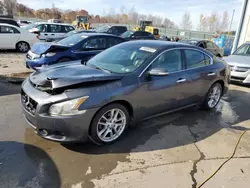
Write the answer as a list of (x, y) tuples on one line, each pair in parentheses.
[(99, 68)]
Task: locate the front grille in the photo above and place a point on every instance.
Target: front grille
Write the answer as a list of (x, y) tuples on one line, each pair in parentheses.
[(239, 69), (28, 103)]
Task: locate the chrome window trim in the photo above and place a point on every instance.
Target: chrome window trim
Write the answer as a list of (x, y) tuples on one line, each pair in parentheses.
[(184, 48)]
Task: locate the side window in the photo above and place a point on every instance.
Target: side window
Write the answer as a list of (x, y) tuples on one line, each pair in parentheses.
[(196, 59), (138, 33), (113, 30), (57, 29), (113, 41), (210, 45), (43, 28), (121, 29), (201, 45), (145, 34), (95, 44), (68, 28), (170, 61), (7, 29)]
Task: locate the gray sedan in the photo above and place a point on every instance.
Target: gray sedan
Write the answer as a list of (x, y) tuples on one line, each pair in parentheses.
[(129, 82), (239, 62)]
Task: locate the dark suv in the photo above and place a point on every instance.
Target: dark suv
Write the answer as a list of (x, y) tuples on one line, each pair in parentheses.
[(8, 20), (114, 30)]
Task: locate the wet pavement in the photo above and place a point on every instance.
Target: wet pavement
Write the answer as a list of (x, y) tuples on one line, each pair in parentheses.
[(177, 150)]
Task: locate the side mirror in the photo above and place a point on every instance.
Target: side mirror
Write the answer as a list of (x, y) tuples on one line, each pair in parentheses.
[(132, 37), (158, 72)]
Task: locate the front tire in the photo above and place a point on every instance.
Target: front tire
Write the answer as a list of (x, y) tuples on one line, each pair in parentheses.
[(213, 97), (109, 124), (22, 47)]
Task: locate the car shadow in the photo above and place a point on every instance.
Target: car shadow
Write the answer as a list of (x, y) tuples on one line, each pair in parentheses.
[(23, 165), (9, 88), (177, 129)]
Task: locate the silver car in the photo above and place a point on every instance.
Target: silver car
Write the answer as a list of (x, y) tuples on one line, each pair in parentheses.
[(239, 62)]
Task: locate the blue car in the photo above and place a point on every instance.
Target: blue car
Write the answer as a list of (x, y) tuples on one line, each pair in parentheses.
[(82, 46)]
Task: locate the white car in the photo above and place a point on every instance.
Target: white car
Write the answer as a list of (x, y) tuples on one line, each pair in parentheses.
[(51, 30), (12, 37)]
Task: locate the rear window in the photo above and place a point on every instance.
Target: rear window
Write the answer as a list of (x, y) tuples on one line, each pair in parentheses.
[(72, 40), (122, 29)]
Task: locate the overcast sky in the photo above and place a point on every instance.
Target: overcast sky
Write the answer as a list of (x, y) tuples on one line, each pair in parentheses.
[(173, 9)]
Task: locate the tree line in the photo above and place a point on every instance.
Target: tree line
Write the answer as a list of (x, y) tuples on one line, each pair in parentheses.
[(210, 23)]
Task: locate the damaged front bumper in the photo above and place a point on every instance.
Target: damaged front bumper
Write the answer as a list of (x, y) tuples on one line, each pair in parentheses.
[(35, 105)]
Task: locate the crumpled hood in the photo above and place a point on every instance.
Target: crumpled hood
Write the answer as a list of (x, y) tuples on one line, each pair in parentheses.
[(238, 60), (69, 74), (41, 48)]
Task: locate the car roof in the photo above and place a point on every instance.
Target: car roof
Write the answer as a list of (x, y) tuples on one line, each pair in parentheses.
[(159, 44), (5, 24), (54, 23), (95, 34)]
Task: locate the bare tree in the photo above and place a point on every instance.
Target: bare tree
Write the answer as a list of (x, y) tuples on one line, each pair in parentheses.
[(203, 24), (225, 21), (10, 6), (213, 23), (186, 22)]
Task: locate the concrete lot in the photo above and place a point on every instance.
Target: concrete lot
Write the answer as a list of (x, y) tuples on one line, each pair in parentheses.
[(12, 64), (178, 150)]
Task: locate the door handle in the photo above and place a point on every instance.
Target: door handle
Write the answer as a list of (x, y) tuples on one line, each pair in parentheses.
[(181, 80), (53, 34), (45, 34), (211, 74)]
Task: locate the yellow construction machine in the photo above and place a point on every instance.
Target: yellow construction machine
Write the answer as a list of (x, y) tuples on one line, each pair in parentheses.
[(148, 27), (81, 22)]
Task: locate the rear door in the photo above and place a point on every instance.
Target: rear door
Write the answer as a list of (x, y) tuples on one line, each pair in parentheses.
[(44, 31), (112, 41), (9, 37), (210, 47), (200, 71), (165, 92), (90, 47), (56, 31)]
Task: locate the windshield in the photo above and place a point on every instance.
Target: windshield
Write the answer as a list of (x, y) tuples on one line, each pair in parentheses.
[(103, 29), (243, 50), (28, 27), (124, 58), (127, 34), (72, 40)]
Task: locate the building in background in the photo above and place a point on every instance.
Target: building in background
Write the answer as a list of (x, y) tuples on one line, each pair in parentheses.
[(243, 30)]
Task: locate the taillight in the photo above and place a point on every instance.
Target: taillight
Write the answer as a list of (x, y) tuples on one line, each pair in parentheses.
[(37, 36)]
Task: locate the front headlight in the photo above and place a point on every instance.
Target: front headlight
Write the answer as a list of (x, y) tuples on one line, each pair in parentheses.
[(49, 54), (68, 107)]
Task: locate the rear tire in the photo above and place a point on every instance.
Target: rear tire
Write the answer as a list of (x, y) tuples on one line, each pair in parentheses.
[(22, 47), (213, 97), (109, 124)]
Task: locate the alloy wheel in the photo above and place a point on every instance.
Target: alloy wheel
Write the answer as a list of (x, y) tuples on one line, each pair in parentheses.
[(111, 125), (23, 47), (214, 96)]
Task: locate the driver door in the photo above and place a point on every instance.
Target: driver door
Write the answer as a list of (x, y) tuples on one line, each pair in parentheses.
[(162, 93), (8, 37), (90, 47)]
